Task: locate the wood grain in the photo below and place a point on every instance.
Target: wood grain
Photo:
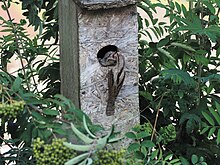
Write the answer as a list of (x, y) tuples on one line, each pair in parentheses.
[(69, 50)]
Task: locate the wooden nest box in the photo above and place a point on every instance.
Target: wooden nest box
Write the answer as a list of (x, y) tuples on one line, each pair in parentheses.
[(88, 30)]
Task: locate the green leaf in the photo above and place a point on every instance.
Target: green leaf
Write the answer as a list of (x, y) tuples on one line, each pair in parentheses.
[(80, 135), (148, 144), (133, 147), (162, 23), (184, 46), (50, 112), (194, 26), (85, 124), (166, 53), (38, 116), (215, 114), (64, 100), (184, 161), (149, 35), (146, 95), (7, 30), (140, 24), (175, 162), (146, 22), (113, 140), (143, 42), (172, 5), (208, 118), (59, 131), (78, 147), (147, 11), (210, 7), (184, 10), (178, 76), (131, 135), (204, 130), (101, 142), (161, 30), (158, 31), (154, 154), (211, 77), (178, 7), (155, 32), (204, 163), (200, 59), (142, 135), (211, 131), (173, 24), (180, 94), (155, 21), (144, 150), (168, 157), (17, 84), (77, 159), (218, 3), (194, 159), (139, 155), (89, 161), (218, 107), (163, 42), (218, 137), (201, 159), (190, 125), (212, 31)]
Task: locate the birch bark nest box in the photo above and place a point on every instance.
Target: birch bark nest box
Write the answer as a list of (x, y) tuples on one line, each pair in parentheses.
[(88, 30)]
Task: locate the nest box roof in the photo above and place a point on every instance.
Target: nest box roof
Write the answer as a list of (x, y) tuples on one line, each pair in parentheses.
[(103, 4)]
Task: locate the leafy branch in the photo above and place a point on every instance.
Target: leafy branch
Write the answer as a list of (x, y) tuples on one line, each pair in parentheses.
[(17, 42)]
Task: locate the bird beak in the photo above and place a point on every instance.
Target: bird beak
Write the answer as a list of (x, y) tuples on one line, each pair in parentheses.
[(115, 55)]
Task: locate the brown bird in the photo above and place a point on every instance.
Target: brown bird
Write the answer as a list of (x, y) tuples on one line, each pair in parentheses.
[(116, 62), (109, 59)]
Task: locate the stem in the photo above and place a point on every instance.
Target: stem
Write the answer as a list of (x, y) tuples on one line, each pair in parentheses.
[(157, 115), (190, 5), (155, 124), (29, 66), (17, 44)]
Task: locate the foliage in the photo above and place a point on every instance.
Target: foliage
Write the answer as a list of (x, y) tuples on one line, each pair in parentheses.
[(179, 87), (196, 160), (114, 157), (43, 118), (35, 112), (179, 76), (49, 24), (11, 110), (144, 148), (167, 133), (54, 153), (92, 144), (212, 123)]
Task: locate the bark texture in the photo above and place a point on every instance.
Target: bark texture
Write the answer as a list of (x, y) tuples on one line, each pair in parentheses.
[(82, 34), (99, 28)]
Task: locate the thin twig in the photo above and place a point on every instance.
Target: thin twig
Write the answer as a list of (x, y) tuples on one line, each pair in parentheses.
[(157, 115)]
